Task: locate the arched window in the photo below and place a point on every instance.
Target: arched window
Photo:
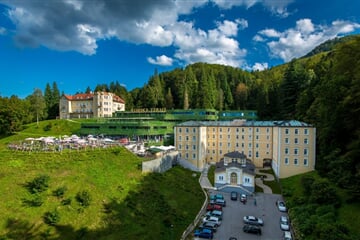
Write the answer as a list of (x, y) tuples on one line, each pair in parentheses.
[(233, 179)]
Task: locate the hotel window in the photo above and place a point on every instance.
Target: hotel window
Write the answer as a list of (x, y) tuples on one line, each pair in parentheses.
[(286, 131), (220, 152), (286, 161), (257, 137), (221, 178), (267, 145), (228, 129), (305, 162), (194, 155), (257, 145), (305, 141), (296, 141), (242, 145), (186, 130), (296, 151), (213, 151), (213, 144), (228, 136), (305, 151), (213, 135), (213, 129), (179, 146), (237, 145), (186, 155), (296, 162), (257, 130), (306, 131), (286, 151), (220, 144), (220, 136), (296, 131), (194, 130), (242, 130), (180, 130), (242, 137), (250, 129), (194, 147), (250, 137), (267, 130), (187, 147), (249, 145), (179, 155), (286, 140), (237, 136), (229, 145), (179, 138), (194, 138), (267, 137), (220, 129), (257, 154), (249, 153), (187, 138), (237, 129)]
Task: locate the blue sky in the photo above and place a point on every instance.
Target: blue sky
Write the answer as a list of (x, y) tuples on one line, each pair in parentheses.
[(80, 43)]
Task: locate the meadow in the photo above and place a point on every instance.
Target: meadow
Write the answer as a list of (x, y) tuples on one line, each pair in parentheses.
[(121, 202)]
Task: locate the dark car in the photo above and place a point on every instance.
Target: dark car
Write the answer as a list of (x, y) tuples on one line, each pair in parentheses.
[(209, 225), (203, 233), (233, 196), (252, 229)]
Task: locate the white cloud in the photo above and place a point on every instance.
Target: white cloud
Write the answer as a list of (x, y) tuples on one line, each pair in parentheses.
[(161, 60), (260, 66), (2, 31), (305, 36)]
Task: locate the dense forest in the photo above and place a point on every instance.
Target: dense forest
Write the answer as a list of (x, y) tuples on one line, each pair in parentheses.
[(322, 89)]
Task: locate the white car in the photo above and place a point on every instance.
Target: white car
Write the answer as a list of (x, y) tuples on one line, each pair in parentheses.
[(287, 235), (212, 219), (284, 223), (253, 220), (281, 206)]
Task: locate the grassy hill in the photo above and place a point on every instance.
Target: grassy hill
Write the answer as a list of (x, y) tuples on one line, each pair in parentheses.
[(123, 202)]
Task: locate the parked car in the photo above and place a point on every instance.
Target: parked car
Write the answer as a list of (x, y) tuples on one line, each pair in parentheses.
[(203, 233), (253, 220), (284, 223), (212, 198), (233, 196), (243, 198), (287, 235), (209, 225), (217, 213), (212, 207), (220, 202), (212, 219), (281, 206), (252, 229), (219, 196)]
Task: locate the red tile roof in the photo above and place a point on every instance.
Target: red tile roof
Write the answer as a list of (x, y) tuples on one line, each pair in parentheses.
[(89, 96)]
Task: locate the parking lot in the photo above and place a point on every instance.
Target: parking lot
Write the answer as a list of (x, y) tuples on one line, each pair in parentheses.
[(234, 212)]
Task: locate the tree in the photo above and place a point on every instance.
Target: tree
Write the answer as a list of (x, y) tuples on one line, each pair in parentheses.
[(38, 105), (169, 103), (241, 95)]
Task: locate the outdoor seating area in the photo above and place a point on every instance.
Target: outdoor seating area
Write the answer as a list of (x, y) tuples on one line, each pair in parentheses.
[(58, 144)]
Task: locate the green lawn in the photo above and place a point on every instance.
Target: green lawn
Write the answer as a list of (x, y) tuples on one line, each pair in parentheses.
[(125, 204)]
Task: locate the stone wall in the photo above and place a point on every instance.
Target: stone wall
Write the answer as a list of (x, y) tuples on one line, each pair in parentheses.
[(161, 164)]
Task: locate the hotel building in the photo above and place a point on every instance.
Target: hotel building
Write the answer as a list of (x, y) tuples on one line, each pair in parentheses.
[(90, 105), (287, 146)]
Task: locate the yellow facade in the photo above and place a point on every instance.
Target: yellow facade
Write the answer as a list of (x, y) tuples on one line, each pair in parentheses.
[(88, 105), (289, 145)]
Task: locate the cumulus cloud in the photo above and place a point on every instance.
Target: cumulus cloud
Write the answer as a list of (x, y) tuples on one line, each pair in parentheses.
[(278, 8), (77, 25), (161, 60), (260, 66), (298, 41)]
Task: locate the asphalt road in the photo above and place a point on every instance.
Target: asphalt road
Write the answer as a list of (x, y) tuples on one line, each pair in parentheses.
[(265, 208)]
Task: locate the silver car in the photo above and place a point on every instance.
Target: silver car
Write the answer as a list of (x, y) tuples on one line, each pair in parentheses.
[(284, 223), (253, 220)]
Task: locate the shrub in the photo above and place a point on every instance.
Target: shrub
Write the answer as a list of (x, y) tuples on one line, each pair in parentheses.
[(51, 218), (66, 201), (83, 198), (59, 192), (47, 127), (38, 184)]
